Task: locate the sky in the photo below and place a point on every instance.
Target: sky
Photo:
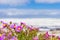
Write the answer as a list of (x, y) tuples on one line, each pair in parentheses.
[(29, 8)]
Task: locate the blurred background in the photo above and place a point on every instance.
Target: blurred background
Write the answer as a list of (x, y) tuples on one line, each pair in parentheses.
[(34, 12)]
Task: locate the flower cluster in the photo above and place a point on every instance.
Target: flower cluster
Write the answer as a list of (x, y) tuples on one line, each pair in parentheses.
[(15, 31)]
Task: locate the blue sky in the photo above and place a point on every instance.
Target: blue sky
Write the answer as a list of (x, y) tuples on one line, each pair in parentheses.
[(30, 8)]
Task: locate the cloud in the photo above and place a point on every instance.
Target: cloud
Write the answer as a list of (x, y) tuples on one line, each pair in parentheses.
[(47, 1), (15, 12), (51, 12), (14, 2), (19, 11)]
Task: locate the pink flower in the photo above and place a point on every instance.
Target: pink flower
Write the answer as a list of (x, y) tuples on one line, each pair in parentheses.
[(58, 38), (35, 38), (13, 26), (30, 28), (14, 38), (22, 23), (2, 36), (4, 25), (46, 35), (18, 28), (9, 35)]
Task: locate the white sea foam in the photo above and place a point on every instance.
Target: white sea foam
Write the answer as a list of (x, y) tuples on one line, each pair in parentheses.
[(35, 21)]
